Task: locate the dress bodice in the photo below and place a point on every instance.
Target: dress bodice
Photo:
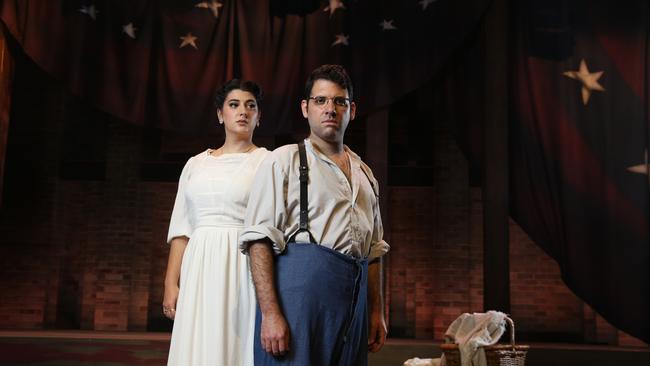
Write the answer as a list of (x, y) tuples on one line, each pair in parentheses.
[(213, 191)]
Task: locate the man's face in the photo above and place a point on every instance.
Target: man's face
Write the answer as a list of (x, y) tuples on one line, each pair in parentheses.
[(328, 120)]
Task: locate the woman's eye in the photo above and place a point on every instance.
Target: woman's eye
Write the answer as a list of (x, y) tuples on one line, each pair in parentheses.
[(252, 106), (234, 105)]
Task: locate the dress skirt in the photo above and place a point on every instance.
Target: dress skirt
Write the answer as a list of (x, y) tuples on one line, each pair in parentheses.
[(215, 312)]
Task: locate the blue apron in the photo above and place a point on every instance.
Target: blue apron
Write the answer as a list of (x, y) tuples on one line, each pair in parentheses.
[(323, 296)]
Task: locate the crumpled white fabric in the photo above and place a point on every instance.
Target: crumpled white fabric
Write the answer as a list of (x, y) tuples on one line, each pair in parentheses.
[(473, 331), (422, 362)]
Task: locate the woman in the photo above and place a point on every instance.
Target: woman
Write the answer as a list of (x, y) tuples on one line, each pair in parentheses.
[(213, 306)]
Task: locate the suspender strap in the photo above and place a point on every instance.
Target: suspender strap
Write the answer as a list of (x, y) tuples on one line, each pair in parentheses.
[(304, 180), (304, 198)]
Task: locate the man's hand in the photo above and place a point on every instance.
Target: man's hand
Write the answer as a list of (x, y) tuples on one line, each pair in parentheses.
[(376, 321), (377, 331), (275, 334)]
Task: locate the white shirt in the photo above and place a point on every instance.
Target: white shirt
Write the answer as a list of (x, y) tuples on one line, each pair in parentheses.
[(343, 215)]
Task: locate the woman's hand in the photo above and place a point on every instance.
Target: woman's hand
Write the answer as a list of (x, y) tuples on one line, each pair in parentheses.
[(172, 275), (169, 301)]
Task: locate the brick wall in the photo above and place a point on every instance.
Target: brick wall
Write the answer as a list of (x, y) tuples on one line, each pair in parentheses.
[(90, 253), (436, 247), (410, 261), (436, 265), (84, 254), (540, 301)]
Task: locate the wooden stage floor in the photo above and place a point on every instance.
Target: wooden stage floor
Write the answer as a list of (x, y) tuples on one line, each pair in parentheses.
[(95, 348)]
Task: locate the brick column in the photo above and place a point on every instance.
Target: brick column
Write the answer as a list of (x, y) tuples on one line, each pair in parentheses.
[(118, 249)]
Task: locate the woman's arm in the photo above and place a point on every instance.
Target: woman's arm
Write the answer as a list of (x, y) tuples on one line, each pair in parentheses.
[(176, 250)]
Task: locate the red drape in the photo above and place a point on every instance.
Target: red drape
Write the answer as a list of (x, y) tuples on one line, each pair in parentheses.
[(389, 47)]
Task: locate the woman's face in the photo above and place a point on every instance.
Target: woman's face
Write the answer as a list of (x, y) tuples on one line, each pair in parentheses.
[(239, 113)]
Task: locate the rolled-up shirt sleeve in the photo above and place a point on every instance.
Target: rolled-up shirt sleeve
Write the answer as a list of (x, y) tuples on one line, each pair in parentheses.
[(266, 213), (378, 247)]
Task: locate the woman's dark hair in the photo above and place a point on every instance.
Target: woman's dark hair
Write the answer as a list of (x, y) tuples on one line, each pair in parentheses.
[(333, 73), (235, 84)]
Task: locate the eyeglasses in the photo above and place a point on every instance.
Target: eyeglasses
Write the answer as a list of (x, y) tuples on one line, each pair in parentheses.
[(320, 100)]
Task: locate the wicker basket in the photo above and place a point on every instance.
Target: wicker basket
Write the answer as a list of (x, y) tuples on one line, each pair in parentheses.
[(496, 355)]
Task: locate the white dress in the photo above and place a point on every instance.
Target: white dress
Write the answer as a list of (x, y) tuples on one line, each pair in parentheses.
[(215, 311)]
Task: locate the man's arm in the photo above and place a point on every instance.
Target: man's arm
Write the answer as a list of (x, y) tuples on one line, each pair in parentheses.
[(275, 334), (377, 327)]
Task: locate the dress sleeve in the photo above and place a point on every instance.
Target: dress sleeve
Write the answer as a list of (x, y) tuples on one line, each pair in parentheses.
[(180, 224), (266, 213)]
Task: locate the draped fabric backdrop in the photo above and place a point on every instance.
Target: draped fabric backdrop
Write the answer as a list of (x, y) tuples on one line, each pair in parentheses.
[(579, 141), (139, 59)]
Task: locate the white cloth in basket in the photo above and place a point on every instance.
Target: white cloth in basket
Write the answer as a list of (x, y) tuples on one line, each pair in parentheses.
[(422, 362), (473, 331)]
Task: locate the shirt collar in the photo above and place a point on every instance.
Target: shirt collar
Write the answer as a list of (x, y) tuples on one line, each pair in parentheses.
[(354, 158)]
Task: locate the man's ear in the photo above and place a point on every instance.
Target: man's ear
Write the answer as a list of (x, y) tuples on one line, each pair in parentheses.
[(304, 106), (353, 110)]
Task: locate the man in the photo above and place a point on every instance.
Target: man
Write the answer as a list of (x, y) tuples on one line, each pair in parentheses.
[(320, 299)]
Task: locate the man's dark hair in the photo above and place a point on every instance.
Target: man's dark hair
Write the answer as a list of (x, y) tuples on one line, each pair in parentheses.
[(234, 84), (333, 73)]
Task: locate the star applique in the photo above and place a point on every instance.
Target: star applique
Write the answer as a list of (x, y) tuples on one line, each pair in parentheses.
[(188, 39), (91, 11), (213, 5), (341, 39), (425, 3), (129, 29), (642, 168), (387, 25), (334, 4), (588, 79)]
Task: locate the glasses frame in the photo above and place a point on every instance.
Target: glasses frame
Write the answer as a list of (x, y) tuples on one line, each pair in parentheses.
[(333, 99)]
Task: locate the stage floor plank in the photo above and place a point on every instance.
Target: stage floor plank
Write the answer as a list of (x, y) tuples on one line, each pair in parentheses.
[(96, 348)]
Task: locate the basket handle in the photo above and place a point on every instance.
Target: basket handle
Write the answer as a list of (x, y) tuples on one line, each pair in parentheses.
[(512, 331)]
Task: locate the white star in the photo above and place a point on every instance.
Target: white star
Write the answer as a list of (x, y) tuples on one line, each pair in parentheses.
[(426, 3), (129, 29), (334, 4), (188, 39), (387, 25), (642, 168), (213, 5), (588, 79), (341, 39), (90, 10)]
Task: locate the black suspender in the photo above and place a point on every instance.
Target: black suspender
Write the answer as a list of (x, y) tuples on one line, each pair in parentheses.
[(304, 181), (304, 199)]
